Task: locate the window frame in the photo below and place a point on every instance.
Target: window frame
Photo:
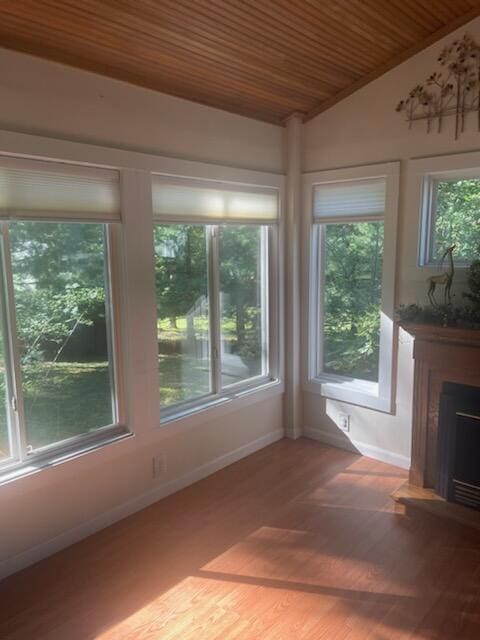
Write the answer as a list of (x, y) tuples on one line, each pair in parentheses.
[(221, 393), (428, 212), (378, 396), (270, 277), (265, 376), (20, 458)]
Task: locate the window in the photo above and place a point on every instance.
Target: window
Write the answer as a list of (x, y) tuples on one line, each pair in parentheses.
[(451, 216), (58, 370), (351, 284), (5, 439), (212, 252)]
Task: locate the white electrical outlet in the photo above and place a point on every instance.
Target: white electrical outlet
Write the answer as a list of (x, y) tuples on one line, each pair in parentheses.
[(159, 464), (344, 421)]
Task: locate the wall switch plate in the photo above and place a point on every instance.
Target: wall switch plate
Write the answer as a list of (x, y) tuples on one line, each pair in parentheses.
[(344, 421)]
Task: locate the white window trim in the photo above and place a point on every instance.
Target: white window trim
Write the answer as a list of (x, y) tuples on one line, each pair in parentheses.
[(429, 172), (375, 396)]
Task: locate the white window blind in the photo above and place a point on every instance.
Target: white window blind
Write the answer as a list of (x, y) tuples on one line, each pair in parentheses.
[(194, 200), (31, 189), (349, 199)]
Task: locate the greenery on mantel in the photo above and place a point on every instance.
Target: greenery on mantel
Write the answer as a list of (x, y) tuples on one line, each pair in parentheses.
[(466, 316)]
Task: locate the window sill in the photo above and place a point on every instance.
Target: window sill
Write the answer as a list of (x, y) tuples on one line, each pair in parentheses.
[(60, 455), (432, 264), (359, 392), (230, 400)]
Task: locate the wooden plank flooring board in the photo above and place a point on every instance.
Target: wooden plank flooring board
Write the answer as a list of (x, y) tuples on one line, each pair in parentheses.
[(298, 541)]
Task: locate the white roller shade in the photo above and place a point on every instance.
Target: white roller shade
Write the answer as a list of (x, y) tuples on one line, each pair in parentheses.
[(55, 191), (190, 200), (349, 199)]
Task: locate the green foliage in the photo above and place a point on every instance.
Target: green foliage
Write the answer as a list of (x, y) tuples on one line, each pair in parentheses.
[(180, 269), (467, 316), (172, 375), (182, 291), (457, 223), (457, 219), (441, 315), (59, 288), (65, 399), (58, 273), (61, 400), (473, 295), (240, 272), (352, 298)]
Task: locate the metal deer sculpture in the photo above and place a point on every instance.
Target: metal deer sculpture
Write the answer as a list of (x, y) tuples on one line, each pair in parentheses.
[(445, 278)]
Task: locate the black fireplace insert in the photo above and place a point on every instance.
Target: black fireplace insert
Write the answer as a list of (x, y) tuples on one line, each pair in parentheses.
[(458, 447)]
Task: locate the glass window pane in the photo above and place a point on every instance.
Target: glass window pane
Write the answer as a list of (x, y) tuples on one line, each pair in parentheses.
[(457, 219), (242, 302), (181, 276), (5, 451), (352, 294), (61, 304)]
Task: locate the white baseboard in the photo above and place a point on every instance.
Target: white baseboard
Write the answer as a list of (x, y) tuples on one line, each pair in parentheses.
[(67, 538), (369, 450)]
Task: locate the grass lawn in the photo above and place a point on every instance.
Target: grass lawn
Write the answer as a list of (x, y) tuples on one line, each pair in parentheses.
[(63, 400), (167, 332), (70, 398), (183, 375), (182, 378)]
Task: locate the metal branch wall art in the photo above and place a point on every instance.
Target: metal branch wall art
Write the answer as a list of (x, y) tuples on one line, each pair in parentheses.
[(455, 90)]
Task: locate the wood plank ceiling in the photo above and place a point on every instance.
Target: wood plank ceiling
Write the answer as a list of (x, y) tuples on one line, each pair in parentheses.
[(260, 58)]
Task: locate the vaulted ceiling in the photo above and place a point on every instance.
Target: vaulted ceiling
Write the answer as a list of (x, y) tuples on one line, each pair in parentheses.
[(261, 58)]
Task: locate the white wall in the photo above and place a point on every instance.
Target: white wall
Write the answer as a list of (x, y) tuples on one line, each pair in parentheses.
[(362, 129), (54, 507), (45, 98), (60, 505)]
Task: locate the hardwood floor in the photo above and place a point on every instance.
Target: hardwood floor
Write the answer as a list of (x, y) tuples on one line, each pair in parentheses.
[(296, 541)]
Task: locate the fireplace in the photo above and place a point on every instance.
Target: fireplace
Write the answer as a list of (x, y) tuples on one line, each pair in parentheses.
[(458, 445), (445, 458)]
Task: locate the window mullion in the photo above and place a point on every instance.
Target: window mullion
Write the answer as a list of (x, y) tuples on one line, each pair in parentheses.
[(215, 311), (265, 299), (114, 328), (16, 405), (432, 220), (272, 276), (321, 251)]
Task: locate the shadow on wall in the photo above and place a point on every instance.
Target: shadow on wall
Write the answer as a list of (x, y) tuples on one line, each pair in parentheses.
[(329, 418), (384, 435)]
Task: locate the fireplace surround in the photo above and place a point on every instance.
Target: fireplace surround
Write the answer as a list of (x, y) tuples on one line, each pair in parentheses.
[(442, 356)]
